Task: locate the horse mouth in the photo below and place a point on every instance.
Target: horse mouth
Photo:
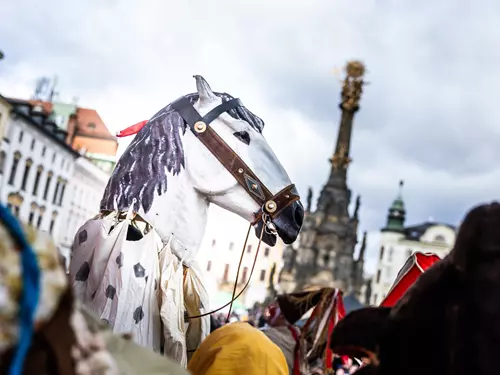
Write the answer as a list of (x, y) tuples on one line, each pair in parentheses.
[(288, 224), (268, 238)]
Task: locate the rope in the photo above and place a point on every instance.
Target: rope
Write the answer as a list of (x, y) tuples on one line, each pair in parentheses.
[(30, 290), (234, 298), (239, 266)]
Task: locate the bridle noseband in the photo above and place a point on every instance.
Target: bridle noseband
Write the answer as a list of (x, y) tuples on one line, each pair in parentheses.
[(270, 205)]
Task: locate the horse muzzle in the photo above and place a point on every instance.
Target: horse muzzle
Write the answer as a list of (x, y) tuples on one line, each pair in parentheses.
[(286, 224)]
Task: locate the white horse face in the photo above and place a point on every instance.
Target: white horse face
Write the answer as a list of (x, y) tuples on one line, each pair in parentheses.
[(211, 179)]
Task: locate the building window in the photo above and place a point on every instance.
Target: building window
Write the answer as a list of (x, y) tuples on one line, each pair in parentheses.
[(33, 144), (21, 135), (91, 125), (391, 252), (54, 157), (325, 259), (226, 273), (47, 185), (26, 174), (13, 169), (31, 217), (262, 275), (249, 248), (56, 191), (381, 252), (439, 238), (266, 252), (63, 189), (209, 266), (44, 149), (213, 242), (40, 217), (53, 222), (379, 275), (244, 275), (2, 161), (231, 245), (15, 200), (39, 171)]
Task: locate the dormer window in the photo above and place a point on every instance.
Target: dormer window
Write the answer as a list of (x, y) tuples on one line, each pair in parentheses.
[(439, 238), (91, 125)]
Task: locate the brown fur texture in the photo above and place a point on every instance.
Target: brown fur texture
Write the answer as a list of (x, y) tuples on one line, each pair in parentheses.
[(448, 322), (50, 352)]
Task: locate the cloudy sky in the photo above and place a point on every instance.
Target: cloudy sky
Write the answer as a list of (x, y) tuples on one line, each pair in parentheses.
[(430, 115)]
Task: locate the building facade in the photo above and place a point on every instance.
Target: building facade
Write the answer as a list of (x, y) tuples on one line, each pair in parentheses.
[(84, 194), (398, 243), (325, 252), (43, 180), (219, 259), (85, 132), (36, 168)]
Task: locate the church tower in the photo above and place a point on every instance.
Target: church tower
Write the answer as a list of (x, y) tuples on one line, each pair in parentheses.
[(397, 214), (325, 252)]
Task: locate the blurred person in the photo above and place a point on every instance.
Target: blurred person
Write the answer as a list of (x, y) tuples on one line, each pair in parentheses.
[(238, 348)]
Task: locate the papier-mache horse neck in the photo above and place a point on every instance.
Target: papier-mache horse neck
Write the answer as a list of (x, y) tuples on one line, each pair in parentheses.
[(173, 177)]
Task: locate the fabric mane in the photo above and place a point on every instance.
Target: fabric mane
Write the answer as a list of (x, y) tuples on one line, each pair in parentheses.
[(155, 152)]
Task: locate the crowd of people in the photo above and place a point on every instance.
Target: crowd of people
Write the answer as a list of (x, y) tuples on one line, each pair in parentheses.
[(262, 317), (344, 365)]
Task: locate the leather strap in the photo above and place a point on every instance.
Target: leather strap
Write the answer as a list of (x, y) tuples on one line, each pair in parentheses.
[(200, 127)]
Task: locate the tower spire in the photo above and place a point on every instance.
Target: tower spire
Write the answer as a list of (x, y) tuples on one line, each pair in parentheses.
[(335, 196), (352, 88), (397, 213), (362, 250)]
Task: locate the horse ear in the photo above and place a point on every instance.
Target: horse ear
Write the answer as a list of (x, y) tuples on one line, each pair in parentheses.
[(205, 93)]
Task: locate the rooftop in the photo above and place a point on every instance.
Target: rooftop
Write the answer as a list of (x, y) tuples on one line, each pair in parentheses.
[(416, 231), (88, 121), (41, 121)]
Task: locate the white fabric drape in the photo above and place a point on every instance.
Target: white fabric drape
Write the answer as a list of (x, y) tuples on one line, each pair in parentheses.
[(139, 287)]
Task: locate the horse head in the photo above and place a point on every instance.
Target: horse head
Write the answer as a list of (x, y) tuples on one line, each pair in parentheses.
[(215, 149), (212, 179)]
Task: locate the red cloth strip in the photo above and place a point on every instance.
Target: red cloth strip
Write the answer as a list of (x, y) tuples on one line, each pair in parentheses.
[(296, 359), (416, 264), (131, 130)]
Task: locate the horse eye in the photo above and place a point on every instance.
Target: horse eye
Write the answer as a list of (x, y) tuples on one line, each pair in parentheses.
[(243, 136)]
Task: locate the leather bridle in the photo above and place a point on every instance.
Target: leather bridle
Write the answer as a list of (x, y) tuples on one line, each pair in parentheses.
[(271, 205)]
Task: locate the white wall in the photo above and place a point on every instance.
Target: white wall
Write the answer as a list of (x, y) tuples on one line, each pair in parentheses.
[(437, 239), (82, 201), (220, 250)]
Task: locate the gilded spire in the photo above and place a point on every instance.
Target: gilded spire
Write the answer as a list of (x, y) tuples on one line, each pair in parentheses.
[(353, 85), (352, 88)]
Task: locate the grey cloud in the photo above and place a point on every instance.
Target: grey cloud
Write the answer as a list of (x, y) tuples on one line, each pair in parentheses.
[(429, 114)]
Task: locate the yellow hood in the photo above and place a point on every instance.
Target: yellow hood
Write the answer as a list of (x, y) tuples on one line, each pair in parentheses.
[(237, 349)]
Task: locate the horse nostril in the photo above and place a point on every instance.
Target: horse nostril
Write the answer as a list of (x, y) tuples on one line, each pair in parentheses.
[(298, 215)]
